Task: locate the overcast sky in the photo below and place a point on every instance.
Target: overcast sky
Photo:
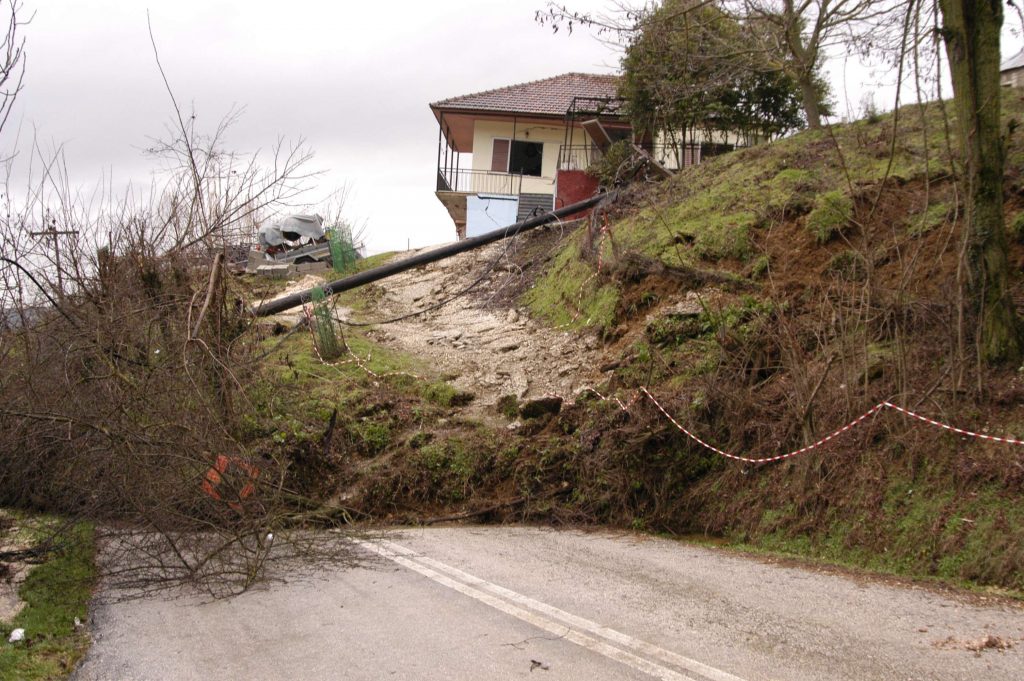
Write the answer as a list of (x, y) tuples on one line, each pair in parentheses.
[(353, 79)]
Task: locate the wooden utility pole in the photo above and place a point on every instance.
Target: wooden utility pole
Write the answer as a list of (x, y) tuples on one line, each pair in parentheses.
[(55, 234)]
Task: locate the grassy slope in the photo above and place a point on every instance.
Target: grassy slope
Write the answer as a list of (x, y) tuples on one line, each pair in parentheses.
[(55, 592), (793, 221)]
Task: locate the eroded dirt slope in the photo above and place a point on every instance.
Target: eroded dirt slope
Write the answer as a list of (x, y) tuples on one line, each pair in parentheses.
[(488, 347)]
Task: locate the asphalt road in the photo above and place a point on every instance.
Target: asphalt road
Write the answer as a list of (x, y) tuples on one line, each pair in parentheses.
[(509, 603)]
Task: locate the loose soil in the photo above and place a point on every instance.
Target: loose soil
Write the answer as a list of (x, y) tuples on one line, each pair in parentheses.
[(480, 339)]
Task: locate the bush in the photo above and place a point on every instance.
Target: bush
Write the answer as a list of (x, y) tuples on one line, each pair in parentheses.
[(126, 377), (615, 165)]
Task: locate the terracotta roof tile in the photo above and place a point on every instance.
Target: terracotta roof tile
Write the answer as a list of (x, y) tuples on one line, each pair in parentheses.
[(1014, 62), (550, 96)]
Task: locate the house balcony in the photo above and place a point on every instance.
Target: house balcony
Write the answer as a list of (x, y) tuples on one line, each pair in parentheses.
[(479, 182), (455, 186), (578, 156)]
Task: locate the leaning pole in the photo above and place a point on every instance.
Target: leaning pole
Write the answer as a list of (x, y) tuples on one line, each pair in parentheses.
[(377, 273)]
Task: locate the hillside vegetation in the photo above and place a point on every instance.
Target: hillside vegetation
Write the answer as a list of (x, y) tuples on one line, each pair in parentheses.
[(761, 300), (818, 277)]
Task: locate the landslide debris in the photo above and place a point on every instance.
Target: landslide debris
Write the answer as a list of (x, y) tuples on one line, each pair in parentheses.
[(764, 298)]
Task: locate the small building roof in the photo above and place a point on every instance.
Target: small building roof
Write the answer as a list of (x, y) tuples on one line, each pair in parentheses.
[(546, 97), (1014, 62)]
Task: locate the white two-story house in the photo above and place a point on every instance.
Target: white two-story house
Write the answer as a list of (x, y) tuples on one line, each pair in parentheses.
[(504, 154)]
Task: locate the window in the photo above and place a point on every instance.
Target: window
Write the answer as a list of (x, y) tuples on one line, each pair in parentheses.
[(514, 156), (526, 158)]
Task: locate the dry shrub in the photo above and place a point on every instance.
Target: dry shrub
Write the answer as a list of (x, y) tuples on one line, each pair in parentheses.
[(127, 364)]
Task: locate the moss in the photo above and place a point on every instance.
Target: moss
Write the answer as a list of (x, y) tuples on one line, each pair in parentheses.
[(420, 439), (727, 236), (792, 189), (446, 395), (832, 212), (934, 216), (740, 317), (508, 406), (374, 435), (759, 268), (449, 466), (569, 294), (674, 330)]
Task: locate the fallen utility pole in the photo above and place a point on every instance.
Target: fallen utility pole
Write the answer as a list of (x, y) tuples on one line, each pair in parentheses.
[(295, 299)]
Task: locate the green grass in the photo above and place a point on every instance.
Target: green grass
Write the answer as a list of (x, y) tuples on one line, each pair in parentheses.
[(848, 264), (569, 295), (55, 593), (933, 216), (449, 466), (715, 211), (364, 264), (445, 395), (922, 527), (832, 212), (374, 397)]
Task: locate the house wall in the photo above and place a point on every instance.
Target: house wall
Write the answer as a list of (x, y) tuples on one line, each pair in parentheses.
[(552, 137), (486, 213), (573, 186), (1012, 78)]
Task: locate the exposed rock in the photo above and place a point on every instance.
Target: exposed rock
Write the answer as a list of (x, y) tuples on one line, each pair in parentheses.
[(532, 409), (501, 351), (507, 406), (689, 307)]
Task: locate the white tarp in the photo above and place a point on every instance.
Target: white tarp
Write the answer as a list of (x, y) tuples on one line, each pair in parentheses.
[(291, 229)]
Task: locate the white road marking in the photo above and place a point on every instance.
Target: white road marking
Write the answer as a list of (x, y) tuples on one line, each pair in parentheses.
[(508, 601)]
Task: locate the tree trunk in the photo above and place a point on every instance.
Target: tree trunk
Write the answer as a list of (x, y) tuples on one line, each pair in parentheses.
[(971, 29), (809, 93), (804, 57)]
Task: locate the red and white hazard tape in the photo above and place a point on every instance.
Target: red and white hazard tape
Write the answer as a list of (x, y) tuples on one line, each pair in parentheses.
[(768, 459), (605, 232), (626, 406), (946, 426), (856, 422)]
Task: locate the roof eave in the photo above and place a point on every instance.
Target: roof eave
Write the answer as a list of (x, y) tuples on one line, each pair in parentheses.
[(438, 110), (489, 113)]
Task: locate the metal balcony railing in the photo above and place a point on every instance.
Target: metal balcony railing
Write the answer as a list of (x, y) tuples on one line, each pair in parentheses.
[(479, 182), (676, 156), (671, 156), (578, 156)]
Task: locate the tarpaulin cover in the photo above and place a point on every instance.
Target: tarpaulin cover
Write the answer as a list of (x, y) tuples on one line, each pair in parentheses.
[(291, 229)]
